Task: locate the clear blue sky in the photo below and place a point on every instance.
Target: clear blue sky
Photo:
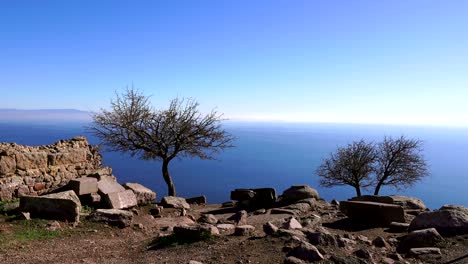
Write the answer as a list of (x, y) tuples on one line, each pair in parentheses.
[(394, 61)]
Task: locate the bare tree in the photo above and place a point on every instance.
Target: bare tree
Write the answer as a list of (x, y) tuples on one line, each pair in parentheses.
[(133, 126), (351, 165), (399, 163)]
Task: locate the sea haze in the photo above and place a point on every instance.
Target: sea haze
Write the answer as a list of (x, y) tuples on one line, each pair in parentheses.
[(274, 155)]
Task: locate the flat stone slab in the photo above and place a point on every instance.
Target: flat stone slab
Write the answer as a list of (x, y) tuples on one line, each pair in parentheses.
[(380, 214), (121, 200), (116, 217), (84, 185), (143, 195), (107, 186), (174, 202), (64, 206)]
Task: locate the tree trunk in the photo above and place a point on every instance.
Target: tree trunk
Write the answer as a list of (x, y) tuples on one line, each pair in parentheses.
[(167, 178), (358, 191), (377, 188)]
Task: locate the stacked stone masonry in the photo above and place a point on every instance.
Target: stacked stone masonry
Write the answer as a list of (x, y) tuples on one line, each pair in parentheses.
[(34, 170)]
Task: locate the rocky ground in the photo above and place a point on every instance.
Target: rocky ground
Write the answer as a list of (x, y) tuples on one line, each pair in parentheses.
[(336, 239)]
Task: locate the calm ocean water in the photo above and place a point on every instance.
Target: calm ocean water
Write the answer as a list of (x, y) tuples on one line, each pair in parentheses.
[(277, 155)]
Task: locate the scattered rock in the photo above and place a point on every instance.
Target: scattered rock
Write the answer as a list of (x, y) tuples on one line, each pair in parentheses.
[(292, 223), (335, 202), (24, 216), (322, 238), (362, 253), (156, 210), (298, 192), (420, 238), (195, 232), (270, 229), (282, 211), (306, 251), (398, 227), (196, 200), (380, 242), (108, 185), (53, 226), (239, 218), (208, 218), (228, 204), (64, 206), (372, 213), (448, 220), (404, 201), (293, 260), (195, 262), (226, 228), (174, 202), (260, 211), (424, 251), (83, 185), (143, 194), (114, 217), (244, 230), (120, 200)]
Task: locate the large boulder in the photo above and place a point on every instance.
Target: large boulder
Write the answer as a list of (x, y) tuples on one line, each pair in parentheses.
[(120, 200), (174, 202), (84, 185), (109, 185), (115, 217), (408, 203), (420, 238), (379, 214), (64, 206), (143, 195), (448, 220), (254, 198), (298, 192)]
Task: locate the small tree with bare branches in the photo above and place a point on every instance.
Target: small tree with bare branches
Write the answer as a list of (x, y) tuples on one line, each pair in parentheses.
[(133, 126), (350, 165), (399, 163)]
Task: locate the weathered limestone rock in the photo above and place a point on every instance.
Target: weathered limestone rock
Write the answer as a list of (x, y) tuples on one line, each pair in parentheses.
[(226, 228), (27, 170), (115, 217), (120, 200), (398, 227), (244, 230), (270, 229), (195, 232), (299, 192), (84, 185), (424, 251), (107, 185), (292, 223), (420, 238), (92, 199), (174, 202), (239, 218), (63, 206), (143, 195), (208, 218), (448, 220), (307, 252), (254, 198), (406, 202), (196, 200), (373, 213)]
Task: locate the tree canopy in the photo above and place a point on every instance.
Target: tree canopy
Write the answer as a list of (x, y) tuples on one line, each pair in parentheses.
[(133, 126), (396, 162)]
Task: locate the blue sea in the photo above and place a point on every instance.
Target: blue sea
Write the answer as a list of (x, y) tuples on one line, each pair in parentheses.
[(276, 155)]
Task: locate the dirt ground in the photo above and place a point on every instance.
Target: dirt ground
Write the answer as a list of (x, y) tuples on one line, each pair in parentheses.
[(99, 243)]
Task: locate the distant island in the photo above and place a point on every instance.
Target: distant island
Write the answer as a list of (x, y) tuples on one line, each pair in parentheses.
[(7, 114)]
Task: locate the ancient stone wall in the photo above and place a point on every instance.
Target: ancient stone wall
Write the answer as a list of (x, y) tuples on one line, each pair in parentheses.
[(27, 170)]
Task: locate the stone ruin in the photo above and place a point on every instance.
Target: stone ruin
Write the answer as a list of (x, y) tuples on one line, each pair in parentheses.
[(28, 170)]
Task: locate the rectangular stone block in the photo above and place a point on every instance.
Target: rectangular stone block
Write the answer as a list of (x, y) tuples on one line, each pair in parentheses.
[(373, 213), (84, 185), (120, 200), (107, 186)]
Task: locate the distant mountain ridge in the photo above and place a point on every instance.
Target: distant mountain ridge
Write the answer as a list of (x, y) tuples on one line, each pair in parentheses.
[(11, 114)]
